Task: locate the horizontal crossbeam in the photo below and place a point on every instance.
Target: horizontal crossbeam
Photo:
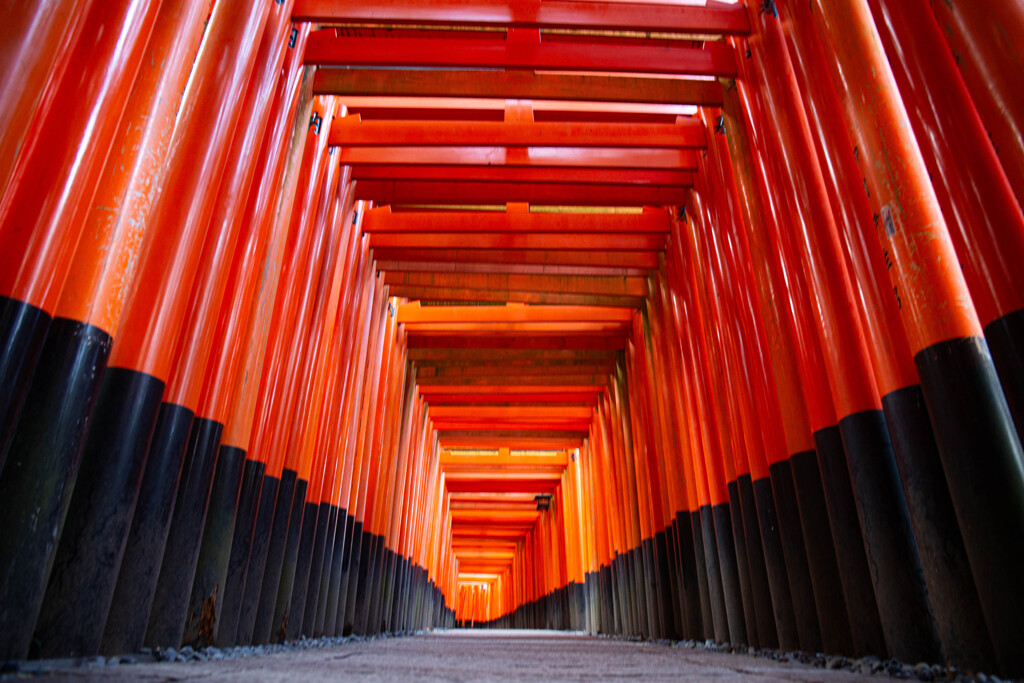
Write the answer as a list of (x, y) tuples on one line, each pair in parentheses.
[(327, 47), (351, 131), (516, 174), (716, 18), (516, 84), (383, 220), (537, 157)]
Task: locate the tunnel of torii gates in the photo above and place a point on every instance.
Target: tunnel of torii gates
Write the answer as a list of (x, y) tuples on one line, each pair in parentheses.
[(662, 320)]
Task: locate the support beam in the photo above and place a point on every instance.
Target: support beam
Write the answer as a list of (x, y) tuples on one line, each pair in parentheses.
[(610, 259), (716, 18), (327, 48), (516, 84), (568, 241), (352, 131), (370, 107), (498, 296), (609, 286), (638, 159), (505, 269), (539, 398), (524, 380), (383, 220), (513, 174), (539, 440), (513, 341), (457, 315), (432, 192)]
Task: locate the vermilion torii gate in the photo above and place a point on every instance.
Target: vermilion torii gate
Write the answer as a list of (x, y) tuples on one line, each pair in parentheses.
[(663, 319)]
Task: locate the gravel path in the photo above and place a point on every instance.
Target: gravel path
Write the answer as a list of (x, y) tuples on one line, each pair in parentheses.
[(464, 655)]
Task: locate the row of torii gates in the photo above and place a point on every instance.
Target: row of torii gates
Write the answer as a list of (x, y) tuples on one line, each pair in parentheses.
[(665, 320)]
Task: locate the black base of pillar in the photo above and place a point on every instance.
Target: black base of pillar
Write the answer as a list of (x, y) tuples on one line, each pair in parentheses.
[(88, 558), (260, 546), (797, 569), (226, 628), (289, 565), (44, 459), (728, 563), (214, 552), (951, 588), (23, 329), (334, 590), (1005, 337), (36, 489), (865, 624), (888, 539), (286, 494), (775, 565), (819, 540), (984, 466), (759, 589), (128, 617), (303, 571), (177, 570)]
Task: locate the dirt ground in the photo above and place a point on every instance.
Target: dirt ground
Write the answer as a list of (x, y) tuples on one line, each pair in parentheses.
[(463, 655)]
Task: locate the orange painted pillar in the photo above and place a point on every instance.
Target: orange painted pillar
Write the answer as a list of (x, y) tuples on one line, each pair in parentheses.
[(655, 402), (720, 409), (225, 384), (36, 39), (634, 473), (309, 408), (659, 481), (940, 545), (681, 303), (803, 396), (983, 215), (101, 272), (360, 328), (881, 508), (631, 609), (763, 437), (985, 38), (376, 473), (678, 448), (968, 410), (273, 397), (706, 461), (43, 208), (320, 440), (723, 275), (292, 399), (198, 457), (269, 212), (41, 217), (362, 467)]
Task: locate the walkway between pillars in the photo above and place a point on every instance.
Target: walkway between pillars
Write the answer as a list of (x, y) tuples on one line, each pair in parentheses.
[(479, 655)]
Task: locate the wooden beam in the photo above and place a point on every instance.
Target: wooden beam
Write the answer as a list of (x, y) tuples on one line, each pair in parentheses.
[(716, 18), (516, 84), (327, 47), (352, 131), (384, 220)]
